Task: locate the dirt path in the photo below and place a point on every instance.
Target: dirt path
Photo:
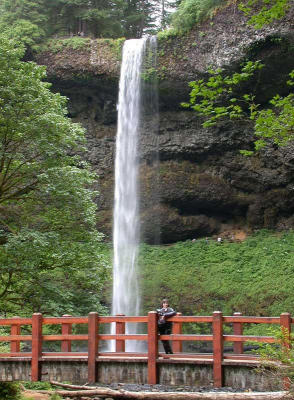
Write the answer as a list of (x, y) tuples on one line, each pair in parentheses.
[(31, 394)]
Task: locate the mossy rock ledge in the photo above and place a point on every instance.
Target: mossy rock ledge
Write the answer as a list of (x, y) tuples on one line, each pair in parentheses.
[(201, 185)]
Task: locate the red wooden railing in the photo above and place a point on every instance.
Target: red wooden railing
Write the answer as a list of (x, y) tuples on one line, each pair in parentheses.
[(93, 337)]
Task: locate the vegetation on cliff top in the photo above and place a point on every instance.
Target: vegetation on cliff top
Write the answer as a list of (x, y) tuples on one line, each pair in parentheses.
[(35, 21)]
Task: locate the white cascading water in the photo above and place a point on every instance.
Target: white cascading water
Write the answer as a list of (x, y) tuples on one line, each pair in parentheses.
[(125, 298)]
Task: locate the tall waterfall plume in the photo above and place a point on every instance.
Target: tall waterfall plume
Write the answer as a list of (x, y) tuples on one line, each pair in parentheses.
[(126, 231)]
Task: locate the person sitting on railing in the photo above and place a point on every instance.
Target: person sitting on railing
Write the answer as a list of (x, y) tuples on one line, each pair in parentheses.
[(165, 327)]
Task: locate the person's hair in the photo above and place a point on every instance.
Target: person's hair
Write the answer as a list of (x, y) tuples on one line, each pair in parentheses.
[(164, 301)]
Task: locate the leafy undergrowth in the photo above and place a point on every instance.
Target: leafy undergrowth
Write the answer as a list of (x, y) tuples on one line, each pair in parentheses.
[(254, 277)]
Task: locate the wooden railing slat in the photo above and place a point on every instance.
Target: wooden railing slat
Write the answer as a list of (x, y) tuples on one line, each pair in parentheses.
[(64, 337), (60, 320), (16, 338), (177, 345), (252, 320), (36, 346), (92, 346), (15, 321), (66, 329), (109, 319), (120, 329), (173, 337), (249, 338), (123, 337), (217, 327), (238, 330), (152, 347)]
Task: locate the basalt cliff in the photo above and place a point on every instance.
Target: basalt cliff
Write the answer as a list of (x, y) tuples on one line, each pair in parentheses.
[(202, 185)]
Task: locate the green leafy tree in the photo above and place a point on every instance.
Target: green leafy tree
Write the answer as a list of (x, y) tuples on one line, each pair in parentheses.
[(214, 99), (25, 20), (50, 249)]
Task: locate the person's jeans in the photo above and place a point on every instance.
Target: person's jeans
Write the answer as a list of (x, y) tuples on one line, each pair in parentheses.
[(165, 330)]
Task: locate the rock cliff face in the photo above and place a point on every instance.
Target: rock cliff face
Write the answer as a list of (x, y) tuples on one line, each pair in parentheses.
[(203, 184)]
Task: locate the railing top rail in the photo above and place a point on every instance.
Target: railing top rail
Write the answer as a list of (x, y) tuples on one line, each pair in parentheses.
[(16, 338), (143, 319), (109, 319), (249, 338), (252, 320), (191, 318), (132, 336), (66, 320), (15, 321)]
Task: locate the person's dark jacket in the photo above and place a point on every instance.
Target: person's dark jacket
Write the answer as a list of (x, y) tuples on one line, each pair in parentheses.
[(163, 314)]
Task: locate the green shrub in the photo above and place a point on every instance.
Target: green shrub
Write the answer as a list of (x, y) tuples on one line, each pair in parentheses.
[(37, 385), (55, 397), (75, 43), (10, 391)]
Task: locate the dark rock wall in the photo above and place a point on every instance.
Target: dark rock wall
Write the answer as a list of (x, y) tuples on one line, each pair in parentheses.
[(203, 184)]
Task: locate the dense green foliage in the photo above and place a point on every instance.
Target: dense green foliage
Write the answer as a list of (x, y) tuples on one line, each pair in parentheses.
[(254, 277), (191, 12), (264, 12), (33, 21), (10, 391), (49, 253), (213, 97), (216, 98), (259, 12)]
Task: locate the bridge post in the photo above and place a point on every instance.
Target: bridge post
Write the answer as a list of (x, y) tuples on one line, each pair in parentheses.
[(238, 330), (285, 323), (15, 330), (152, 347), (93, 330), (120, 329), (177, 329), (37, 320), (66, 329), (217, 327)]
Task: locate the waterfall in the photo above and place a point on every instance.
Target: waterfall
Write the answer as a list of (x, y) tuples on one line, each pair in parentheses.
[(126, 231)]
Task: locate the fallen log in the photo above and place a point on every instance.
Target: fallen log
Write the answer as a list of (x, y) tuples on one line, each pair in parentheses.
[(124, 394), (79, 387)]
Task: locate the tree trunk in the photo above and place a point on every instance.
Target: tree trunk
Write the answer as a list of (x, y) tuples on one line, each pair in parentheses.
[(123, 394)]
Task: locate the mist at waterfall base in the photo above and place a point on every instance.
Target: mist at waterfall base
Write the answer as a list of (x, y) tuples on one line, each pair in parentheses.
[(126, 222)]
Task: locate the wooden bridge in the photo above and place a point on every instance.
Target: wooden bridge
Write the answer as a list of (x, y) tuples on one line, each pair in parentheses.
[(88, 366)]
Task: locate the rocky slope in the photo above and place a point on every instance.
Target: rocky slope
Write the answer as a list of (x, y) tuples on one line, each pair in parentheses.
[(204, 185)]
